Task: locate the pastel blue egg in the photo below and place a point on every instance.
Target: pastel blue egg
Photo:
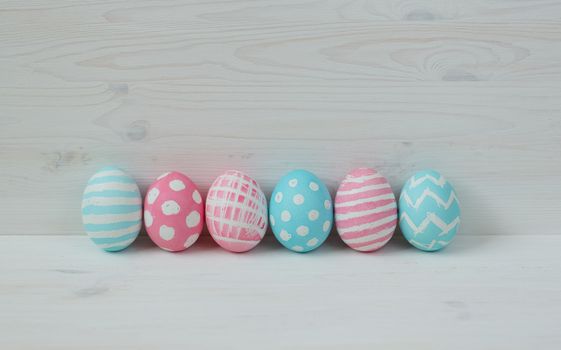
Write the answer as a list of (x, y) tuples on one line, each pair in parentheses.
[(112, 209), (429, 211), (301, 211)]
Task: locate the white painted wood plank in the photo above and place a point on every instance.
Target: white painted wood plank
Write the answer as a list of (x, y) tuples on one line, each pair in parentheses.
[(487, 292), (291, 11), (470, 88)]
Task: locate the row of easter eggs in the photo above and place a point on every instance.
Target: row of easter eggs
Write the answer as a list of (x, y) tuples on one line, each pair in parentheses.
[(301, 212)]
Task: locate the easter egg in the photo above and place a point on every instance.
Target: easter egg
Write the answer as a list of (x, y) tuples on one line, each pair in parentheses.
[(236, 212), (365, 210), (301, 211), (429, 211), (173, 212), (112, 209)]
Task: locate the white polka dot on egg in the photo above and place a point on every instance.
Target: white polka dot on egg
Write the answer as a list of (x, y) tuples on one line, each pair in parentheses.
[(327, 204), (191, 240), (166, 232), (314, 186), (285, 216), (293, 183), (148, 218), (302, 230), (177, 185), (326, 226), (193, 219), (312, 242), (298, 248), (272, 220), (170, 208), (285, 236), (153, 195), (197, 197), (313, 215), (298, 199), (278, 197)]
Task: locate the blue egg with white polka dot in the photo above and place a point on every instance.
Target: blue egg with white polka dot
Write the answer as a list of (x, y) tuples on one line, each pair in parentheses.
[(301, 211)]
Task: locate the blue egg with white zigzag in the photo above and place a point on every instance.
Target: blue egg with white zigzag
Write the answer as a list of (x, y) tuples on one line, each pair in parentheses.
[(112, 209), (429, 211)]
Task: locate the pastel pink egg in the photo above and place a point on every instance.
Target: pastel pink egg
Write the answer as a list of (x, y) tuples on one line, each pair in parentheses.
[(365, 210), (173, 212), (236, 212)]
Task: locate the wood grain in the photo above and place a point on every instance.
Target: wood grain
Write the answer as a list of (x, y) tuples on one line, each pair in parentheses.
[(483, 292), (470, 88)]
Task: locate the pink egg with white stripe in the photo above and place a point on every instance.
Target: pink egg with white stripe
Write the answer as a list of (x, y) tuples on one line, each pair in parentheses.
[(236, 212), (365, 210)]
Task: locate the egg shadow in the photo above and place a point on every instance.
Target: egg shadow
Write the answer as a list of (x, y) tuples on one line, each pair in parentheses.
[(461, 243), (141, 245), (334, 242)]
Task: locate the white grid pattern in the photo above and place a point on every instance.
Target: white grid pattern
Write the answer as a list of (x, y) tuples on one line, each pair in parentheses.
[(244, 215)]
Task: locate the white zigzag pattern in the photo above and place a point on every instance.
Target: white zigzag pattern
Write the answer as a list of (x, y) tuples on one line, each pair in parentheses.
[(441, 181), (428, 246), (428, 193), (431, 218)]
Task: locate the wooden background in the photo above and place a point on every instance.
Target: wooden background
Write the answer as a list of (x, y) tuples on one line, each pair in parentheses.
[(472, 88)]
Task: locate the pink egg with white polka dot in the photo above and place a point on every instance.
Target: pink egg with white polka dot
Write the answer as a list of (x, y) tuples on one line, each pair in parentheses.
[(173, 212)]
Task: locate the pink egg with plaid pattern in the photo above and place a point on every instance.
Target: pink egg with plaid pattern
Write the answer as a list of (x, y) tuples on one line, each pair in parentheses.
[(173, 212), (236, 212)]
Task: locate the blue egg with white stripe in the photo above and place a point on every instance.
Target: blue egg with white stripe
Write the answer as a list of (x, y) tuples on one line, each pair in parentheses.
[(429, 211), (112, 209)]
